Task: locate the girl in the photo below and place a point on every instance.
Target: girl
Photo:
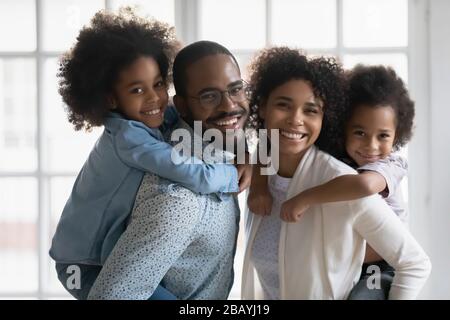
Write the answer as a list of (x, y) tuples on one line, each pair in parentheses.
[(116, 76), (379, 121), (320, 256)]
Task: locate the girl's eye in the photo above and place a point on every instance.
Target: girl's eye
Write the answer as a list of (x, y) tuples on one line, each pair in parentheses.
[(384, 136), (359, 133), (160, 84), (137, 90)]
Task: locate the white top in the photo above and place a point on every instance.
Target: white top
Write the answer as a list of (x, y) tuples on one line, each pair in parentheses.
[(393, 169), (265, 246), (320, 257)]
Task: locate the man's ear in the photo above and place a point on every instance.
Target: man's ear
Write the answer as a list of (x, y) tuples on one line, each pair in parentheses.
[(181, 105)]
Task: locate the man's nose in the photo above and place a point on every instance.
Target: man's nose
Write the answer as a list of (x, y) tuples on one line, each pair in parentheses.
[(226, 104)]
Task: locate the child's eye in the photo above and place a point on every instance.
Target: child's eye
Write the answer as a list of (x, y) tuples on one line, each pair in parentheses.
[(384, 136), (160, 84), (359, 133), (137, 90)]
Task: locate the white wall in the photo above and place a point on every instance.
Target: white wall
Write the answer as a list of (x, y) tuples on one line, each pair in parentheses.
[(440, 146), (430, 147)]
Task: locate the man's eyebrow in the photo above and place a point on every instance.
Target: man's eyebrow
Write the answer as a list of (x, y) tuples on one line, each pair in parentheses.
[(207, 90), (235, 83)]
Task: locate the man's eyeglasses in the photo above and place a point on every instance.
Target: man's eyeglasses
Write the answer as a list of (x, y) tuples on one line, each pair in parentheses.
[(238, 92)]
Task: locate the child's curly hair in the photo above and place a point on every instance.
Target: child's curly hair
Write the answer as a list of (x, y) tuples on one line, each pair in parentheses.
[(276, 66), (88, 71), (377, 86)]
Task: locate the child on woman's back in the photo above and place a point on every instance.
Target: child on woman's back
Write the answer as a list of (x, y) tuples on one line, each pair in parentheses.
[(117, 76), (379, 121)]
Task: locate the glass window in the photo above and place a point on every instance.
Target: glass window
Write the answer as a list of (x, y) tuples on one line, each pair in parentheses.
[(18, 235), (304, 23), (63, 19), (234, 24), (398, 61), (375, 23), (163, 10), (18, 115), (57, 193), (244, 61), (17, 25), (64, 149)]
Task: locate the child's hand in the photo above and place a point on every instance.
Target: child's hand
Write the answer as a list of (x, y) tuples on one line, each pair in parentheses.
[(260, 202), (293, 209), (244, 176)]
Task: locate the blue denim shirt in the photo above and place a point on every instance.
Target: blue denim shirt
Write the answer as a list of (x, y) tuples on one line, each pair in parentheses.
[(104, 192)]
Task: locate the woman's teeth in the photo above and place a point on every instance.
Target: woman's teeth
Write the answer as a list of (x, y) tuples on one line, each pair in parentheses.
[(290, 135)]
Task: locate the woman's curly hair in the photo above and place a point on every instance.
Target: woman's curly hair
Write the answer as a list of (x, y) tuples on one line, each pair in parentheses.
[(273, 67), (111, 42), (378, 86)]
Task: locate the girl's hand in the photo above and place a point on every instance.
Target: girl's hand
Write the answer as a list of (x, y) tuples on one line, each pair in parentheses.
[(293, 209), (260, 202)]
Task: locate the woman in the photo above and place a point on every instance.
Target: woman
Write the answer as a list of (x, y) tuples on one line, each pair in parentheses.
[(319, 257)]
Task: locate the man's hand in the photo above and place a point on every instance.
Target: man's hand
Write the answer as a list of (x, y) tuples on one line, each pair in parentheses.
[(244, 176), (293, 209), (260, 201)]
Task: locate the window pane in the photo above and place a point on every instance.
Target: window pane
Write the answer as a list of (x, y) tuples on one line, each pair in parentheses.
[(163, 10), (63, 19), (18, 115), (64, 149), (398, 61), (57, 193), (18, 235), (17, 25), (244, 61), (304, 23), (235, 24), (377, 23)]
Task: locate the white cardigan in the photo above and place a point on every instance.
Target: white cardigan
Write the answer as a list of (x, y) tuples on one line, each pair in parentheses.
[(320, 257)]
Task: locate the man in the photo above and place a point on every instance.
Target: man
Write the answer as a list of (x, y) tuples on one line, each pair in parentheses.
[(183, 240)]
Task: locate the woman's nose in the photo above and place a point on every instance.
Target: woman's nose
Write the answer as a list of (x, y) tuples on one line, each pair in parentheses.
[(296, 119)]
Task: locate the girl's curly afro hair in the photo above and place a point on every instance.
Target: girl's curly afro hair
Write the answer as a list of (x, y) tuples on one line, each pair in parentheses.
[(273, 67), (378, 86), (111, 42)]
